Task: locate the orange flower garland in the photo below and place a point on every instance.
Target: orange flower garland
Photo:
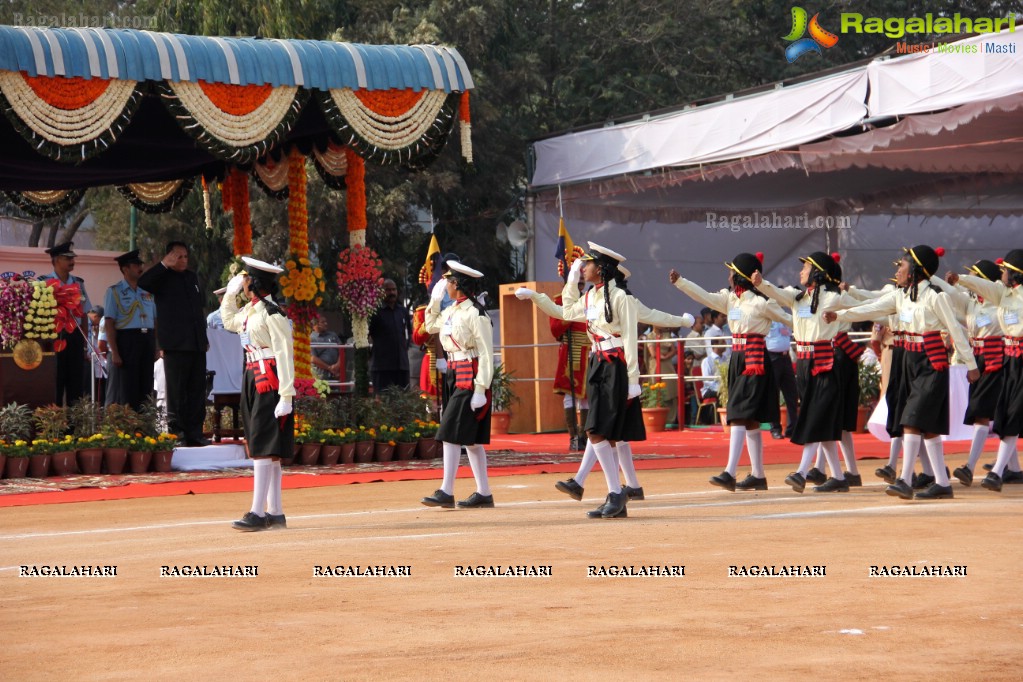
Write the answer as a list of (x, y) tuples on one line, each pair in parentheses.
[(355, 180), (298, 245), (67, 93), (237, 100), (465, 127), (239, 182), (391, 103)]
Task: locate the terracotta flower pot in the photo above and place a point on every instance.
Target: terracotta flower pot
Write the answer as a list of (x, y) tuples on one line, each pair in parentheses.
[(38, 466), (114, 460), (90, 461), (161, 461), (405, 451), (384, 452), (138, 461), (499, 422), (429, 448), (64, 463), (16, 467), (348, 453), (330, 454), (654, 418), (310, 453), (364, 451)]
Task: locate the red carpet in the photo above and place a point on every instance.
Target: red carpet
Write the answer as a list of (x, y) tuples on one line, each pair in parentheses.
[(513, 455)]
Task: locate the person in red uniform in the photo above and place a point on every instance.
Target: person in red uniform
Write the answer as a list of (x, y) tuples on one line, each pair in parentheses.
[(570, 376)]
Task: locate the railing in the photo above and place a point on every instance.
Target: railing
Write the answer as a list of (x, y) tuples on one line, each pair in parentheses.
[(346, 357)]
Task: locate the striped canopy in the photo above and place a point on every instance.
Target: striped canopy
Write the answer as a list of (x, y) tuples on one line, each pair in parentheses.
[(98, 106)]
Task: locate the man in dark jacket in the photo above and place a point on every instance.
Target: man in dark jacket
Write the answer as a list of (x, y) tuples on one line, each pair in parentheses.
[(181, 335), (391, 329)]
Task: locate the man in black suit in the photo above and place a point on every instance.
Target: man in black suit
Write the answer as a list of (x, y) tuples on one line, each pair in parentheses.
[(181, 335)]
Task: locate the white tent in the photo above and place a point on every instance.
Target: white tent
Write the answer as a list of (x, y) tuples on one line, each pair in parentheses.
[(926, 148)]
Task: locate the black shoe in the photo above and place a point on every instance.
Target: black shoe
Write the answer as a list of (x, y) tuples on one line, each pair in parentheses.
[(886, 473), (614, 508), (815, 476), (251, 522), (439, 499), (900, 489), (989, 467), (633, 493), (197, 442), (276, 521), (724, 480), (751, 482), (570, 488), (922, 481), (854, 480), (965, 476), (1014, 477), (477, 501), (776, 434), (796, 480), (992, 482), (573, 444), (936, 492), (832, 485)]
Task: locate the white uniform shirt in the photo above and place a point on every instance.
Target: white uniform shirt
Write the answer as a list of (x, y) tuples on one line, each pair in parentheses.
[(262, 330), (463, 330)]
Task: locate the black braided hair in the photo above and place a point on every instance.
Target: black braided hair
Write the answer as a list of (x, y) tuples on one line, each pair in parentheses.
[(621, 282), (471, 287), (820, 280), (916, 275), (1015, 278), (608, 271), (740, 281), (264, 285)]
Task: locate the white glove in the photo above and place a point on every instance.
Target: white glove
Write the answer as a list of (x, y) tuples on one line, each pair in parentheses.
[(687, 320), (442, 365), (439, 289), (634, 391), (524, 294), (234, 287), (478, 400), (574, 272), (283, 408)]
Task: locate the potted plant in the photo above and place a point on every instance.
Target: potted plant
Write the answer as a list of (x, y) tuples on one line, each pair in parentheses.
[(386, 439), (18, 452), (40, 452), (502, 397), (652, 397), (429, 447), (365, 444), (115, 451), (51, 426), (406, 442), (64, 461), (15, 422), (870, 393), (163, 454), (90, 453), (330, 446), (140, 453)]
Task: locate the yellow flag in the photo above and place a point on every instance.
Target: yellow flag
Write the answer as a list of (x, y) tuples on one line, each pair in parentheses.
[(426, 272)]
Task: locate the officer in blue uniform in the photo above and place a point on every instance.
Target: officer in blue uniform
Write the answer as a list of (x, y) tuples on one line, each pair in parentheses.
[(71, 361), (130, 319)]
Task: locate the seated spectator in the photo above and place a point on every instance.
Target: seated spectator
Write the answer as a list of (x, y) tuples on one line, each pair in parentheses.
[(326, 359), (709, 369)]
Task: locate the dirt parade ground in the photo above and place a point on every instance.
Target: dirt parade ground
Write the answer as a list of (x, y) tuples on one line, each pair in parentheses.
[(697, 583)]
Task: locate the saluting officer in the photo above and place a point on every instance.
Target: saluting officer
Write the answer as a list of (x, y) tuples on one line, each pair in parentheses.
[(130, 321), (71, 367)]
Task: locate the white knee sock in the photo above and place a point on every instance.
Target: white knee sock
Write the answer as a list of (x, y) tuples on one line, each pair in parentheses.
[(849, 453), (1006, 449), (1014, 459), (478, 462), (830, 449), (606, 456), (925, 463), (755, 445), (452, 454), (588, 460), (736, 439), (980, 432), (910, 448), (260, 485), (819, 463), (893, 452), (273, 500), (624, 452), (935, 448), (809, 450)]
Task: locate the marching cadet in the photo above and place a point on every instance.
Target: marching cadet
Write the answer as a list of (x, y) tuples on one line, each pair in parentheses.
[(130, 321), (924, 312), (1008, 415), (466, 335), (268, 387), (752, 391)]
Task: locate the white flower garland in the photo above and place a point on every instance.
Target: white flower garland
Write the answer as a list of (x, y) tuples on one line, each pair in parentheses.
[(45, 197), (389, 132), (360, 331), (155, 192), (273, 175), (65, 127), (233, 130), (332, 160)]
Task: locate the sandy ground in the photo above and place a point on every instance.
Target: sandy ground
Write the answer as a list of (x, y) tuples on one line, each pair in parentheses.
[(286, 624)]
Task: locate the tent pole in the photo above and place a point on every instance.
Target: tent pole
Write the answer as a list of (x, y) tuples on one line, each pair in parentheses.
[(531, 243)]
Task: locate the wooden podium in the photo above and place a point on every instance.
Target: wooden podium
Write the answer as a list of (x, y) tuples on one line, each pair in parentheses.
[(523, 324)]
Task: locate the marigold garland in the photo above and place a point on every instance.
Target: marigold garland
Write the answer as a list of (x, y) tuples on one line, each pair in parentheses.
[(390, 103), (236, 100), (298, 217), (302, 311), (355, 180)]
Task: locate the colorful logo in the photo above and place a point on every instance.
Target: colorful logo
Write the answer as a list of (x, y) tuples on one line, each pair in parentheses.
[(819, 37)]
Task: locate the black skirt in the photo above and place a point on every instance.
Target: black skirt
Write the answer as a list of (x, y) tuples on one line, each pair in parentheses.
[(460, 424), (266, 435), (1009, 409), (607, 386), (926, 406), (753, 396), (984, 394), (894, 394), (820, 405), (848, 371), (634, 428)]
